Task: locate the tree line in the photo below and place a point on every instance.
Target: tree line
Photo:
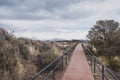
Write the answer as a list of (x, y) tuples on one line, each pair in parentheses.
[(105, 37)]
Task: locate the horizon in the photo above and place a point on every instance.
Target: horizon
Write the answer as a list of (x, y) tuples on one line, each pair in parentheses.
[(62, 19)]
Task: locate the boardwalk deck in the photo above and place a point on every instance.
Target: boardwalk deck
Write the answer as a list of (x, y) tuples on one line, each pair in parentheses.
[(78, 68)]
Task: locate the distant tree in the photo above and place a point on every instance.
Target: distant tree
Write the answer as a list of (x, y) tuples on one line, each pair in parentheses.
[(105, 36)]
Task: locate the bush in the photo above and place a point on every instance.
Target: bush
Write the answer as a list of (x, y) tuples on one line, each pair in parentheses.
[(44, 59), (9, 63), (25, 53), (114, 65)]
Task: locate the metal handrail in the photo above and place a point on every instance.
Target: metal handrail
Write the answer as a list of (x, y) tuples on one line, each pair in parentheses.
[(61, 62), (37, 74), (98, 64)]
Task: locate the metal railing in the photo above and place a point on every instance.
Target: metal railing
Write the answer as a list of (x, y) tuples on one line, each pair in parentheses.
[(58, 63), (98, 68)]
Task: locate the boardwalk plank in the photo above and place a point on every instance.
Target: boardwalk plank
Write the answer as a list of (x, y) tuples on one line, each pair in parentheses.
[(78, 68)]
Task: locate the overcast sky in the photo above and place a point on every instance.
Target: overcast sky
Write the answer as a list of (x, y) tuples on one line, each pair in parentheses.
[(48, 19)]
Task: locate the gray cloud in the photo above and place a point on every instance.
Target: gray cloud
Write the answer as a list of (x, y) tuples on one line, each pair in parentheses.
[(26, 9), (11, 3), (55, 16)]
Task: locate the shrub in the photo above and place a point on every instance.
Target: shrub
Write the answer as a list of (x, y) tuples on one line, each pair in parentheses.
[(44, 59), (25, 53), (9, 63), (114, 65)]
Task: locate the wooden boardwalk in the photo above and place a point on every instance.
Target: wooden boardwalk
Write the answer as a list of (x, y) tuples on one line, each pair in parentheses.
[(78, 68)]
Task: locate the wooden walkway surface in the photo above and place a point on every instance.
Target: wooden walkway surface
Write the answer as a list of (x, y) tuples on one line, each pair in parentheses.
[(78, 68)]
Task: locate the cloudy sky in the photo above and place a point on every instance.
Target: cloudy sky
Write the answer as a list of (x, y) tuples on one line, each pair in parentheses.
[(48, 19)]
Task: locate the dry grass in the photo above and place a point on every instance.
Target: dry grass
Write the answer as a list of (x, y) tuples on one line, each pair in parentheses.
[(18, 56)]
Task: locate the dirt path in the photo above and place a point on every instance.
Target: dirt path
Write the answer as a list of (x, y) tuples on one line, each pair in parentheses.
[(78, 68)]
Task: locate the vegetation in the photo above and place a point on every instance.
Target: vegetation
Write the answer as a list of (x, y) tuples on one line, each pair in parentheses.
[(105, 37), (21, 58)]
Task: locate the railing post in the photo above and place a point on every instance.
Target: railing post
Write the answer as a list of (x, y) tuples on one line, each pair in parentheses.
[(62, 62), (94, 65), (53, 75), (66, 58), (69, 56), (102, 72), (87, 53), (91, 60)]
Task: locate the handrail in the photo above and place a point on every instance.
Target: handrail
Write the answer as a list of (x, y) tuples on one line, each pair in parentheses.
[(45, 68), (98, 64), (60, 62)]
